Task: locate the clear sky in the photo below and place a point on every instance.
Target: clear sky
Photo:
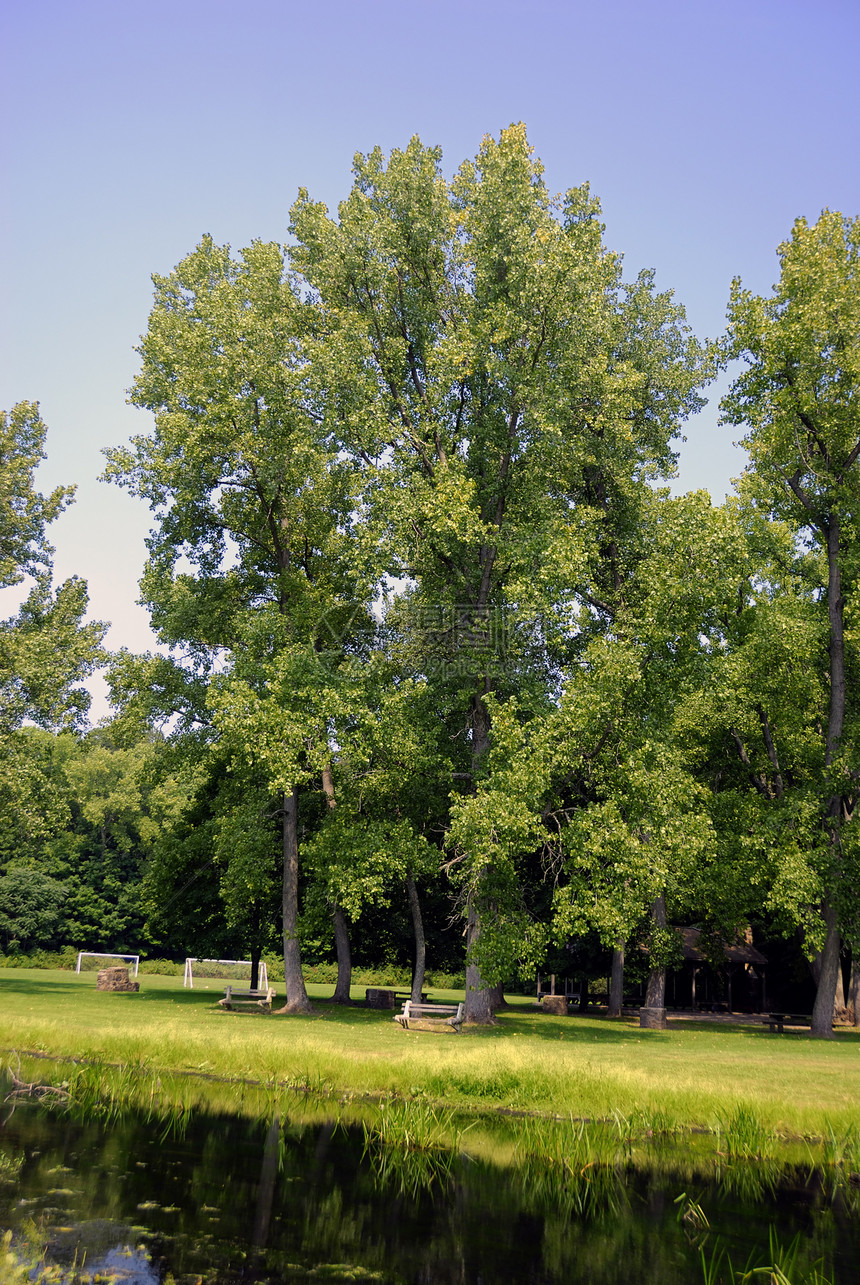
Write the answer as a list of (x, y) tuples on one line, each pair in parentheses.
[(129, 130)]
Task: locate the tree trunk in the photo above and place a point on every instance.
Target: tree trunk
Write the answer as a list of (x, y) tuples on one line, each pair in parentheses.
[(655, 994), (839, 1005), (825, 996), (831, 969), (341, 931), (479, 996), (255, 946), (616, 981), (420, 947), (497, 998), (835, 605), (297, 996), (344, 961), (854, 988), (266, 1187)]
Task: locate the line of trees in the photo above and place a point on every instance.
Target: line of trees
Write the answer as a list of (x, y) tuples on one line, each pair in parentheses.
[(431, 623)]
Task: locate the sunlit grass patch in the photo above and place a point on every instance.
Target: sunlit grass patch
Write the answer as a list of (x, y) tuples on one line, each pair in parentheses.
[(690, 1075)]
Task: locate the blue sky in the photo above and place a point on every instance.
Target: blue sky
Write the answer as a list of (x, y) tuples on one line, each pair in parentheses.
[(128, 131)]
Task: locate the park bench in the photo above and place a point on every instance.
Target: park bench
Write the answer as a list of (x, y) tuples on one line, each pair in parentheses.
[(447, 1014), (776, 1021), (261, 999)]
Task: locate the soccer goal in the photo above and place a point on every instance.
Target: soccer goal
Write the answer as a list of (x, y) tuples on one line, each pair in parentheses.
[(83, 966), (220, 971)]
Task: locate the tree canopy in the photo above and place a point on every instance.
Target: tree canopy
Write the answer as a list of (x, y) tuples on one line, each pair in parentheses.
[(431, 625)]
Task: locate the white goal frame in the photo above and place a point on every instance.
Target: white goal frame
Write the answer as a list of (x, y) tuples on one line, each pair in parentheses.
[(188, 979), (103, 954)]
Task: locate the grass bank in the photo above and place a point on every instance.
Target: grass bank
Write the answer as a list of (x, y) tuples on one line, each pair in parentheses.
[(691, 1076)]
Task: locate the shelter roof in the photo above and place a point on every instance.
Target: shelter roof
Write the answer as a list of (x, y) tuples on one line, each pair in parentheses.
[(739, 952)]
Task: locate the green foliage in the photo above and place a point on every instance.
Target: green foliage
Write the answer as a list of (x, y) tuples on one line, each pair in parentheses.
[(45, 649), (795, 652), (41, 959), (30, 905), (24, 513), (583, 694)]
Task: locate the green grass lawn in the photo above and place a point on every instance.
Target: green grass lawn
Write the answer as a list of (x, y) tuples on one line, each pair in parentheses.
[(693, 1074)]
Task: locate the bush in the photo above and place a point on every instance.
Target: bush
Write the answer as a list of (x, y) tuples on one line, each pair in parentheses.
[(393, 976), (164, 967), (65, 958)]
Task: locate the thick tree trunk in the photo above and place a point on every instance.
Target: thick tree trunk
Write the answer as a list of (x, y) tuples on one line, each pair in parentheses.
[(344, 960), (497, 998), (297, 996), (479, 996), (420, 947), (616, 981), (854, 988), (839, 1005), (655, 994), (822, 1012), (831, 970), (266, 1187)]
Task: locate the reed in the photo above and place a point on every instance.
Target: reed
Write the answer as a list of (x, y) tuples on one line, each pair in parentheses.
[(412, 1146), (415, 1126), (742, 1135), (782, 1265), (573, 1166)]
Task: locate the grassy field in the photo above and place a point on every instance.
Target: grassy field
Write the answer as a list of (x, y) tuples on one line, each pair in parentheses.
[(693, 1075)]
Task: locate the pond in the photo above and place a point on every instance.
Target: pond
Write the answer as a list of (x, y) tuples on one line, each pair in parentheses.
[(203, 1196)]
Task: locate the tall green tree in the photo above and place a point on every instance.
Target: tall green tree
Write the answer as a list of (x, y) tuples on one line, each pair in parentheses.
[(799, 399), (46, 648), (249, 572), (596, 794), (509, 399)]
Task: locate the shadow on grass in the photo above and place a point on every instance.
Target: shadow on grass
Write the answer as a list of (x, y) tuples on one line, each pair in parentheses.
[(514, 1021)]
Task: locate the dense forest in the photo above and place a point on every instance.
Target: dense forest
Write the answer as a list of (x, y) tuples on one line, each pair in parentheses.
[(446, 673)]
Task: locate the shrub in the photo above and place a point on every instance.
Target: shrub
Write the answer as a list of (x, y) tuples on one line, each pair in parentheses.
[(64, 958)]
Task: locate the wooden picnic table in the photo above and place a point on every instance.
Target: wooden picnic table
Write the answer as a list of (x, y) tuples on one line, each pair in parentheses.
[(777, 1021)]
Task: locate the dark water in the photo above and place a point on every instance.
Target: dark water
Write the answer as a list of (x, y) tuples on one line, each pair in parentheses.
[(226, 1199)]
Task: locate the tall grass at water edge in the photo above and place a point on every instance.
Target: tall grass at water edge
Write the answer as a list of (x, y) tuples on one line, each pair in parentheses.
[(576, 1168), (782, 1265)]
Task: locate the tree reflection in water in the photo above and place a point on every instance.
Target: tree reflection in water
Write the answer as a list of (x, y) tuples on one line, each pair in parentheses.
[(227, 1199)]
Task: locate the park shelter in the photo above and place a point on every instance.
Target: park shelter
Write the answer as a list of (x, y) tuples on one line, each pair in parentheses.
[(737, 983)]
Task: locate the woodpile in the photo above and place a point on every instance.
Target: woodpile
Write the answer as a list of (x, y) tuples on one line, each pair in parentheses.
[(115, 979)]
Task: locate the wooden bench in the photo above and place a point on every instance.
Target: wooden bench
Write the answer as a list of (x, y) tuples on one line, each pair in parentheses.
[(248, 999), (448, 1014), (776, 1021)]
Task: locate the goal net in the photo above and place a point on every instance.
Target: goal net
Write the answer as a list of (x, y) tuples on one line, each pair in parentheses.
[(90, 961), (211, 974)]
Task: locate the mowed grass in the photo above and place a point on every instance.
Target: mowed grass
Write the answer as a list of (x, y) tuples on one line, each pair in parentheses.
[(692, 1075)]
